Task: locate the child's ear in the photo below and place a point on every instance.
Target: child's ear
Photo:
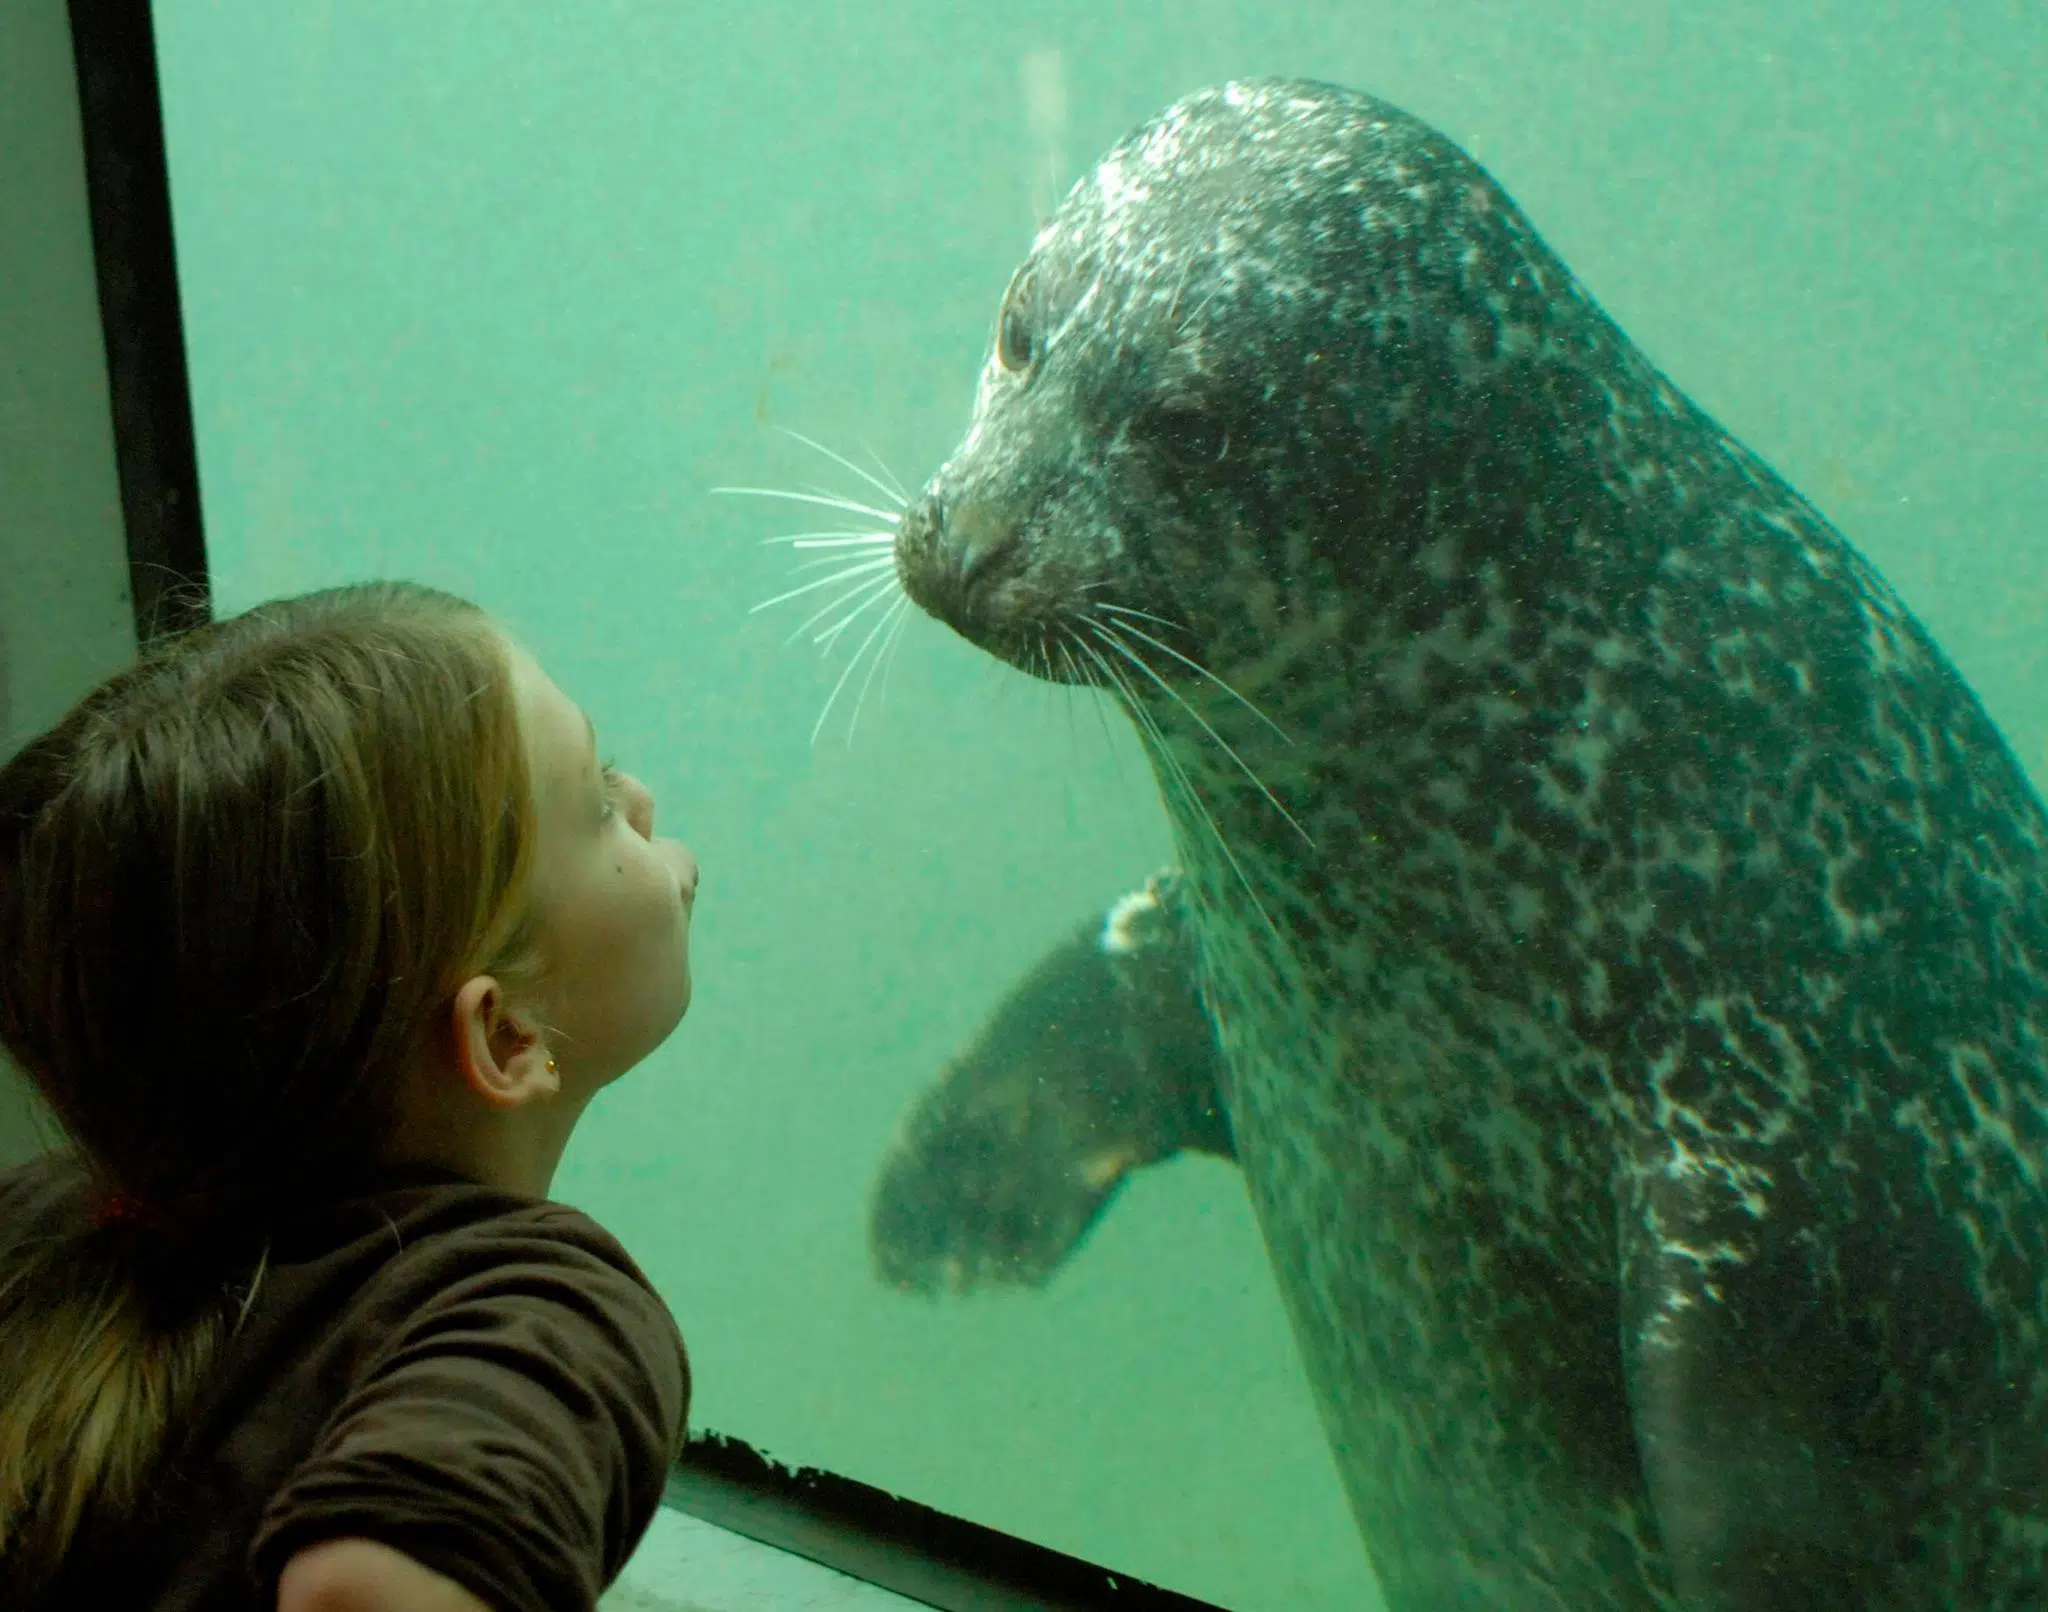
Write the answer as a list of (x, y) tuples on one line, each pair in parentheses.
[(500, 1058)]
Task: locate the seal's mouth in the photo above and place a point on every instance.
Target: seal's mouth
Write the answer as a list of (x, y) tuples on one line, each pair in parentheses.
[(972, 568)]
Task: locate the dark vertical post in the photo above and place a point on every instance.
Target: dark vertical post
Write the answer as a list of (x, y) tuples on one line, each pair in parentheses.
[(128, 182)]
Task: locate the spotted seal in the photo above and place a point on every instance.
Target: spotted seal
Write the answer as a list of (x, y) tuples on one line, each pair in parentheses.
[(1625, 935)]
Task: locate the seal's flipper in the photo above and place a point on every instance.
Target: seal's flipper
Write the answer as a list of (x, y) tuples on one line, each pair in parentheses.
[(1100, 1062), (1760, 1408)]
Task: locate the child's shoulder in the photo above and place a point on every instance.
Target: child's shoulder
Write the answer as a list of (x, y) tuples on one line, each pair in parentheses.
[(432, 1230)]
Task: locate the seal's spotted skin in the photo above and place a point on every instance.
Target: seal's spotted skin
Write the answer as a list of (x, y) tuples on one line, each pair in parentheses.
[(1636, 1053)]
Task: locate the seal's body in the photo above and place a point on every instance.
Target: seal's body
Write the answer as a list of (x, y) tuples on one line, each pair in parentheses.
[(1626, 937)]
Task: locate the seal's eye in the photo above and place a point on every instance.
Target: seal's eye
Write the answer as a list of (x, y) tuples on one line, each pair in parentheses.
[(1013, 341), (1014, 347)]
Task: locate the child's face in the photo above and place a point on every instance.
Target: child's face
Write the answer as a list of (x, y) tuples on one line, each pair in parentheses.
[(614, 901)]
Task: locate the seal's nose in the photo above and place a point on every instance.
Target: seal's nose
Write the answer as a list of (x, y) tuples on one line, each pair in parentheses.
[(920, 535), (948, 558)]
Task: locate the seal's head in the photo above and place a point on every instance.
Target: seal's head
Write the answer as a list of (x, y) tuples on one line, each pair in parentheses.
[(1222, 382)]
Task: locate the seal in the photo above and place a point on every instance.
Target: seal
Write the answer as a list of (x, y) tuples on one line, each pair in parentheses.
[(1099, 1063), (1625, 935)]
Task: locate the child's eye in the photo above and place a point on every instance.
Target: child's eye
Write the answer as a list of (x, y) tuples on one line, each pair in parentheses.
[(611, 776)]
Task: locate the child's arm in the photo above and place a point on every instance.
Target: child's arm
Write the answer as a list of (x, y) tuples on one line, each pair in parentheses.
[(510, 1425), (360, 1575)]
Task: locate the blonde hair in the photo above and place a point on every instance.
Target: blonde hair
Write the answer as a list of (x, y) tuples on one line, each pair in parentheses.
[(236, 883)]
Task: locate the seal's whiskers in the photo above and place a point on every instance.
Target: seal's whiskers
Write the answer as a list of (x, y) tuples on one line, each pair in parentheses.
[(1172, 772), (860, 566), (831, 540), (870, 594), (1170, 769), (1126, 610), (1110, 637), (883, 624), (831, 605), (852, 506), (890, 646), (888, 489), (1192, 665), (896, 489), (819, 565), (1076, 674)]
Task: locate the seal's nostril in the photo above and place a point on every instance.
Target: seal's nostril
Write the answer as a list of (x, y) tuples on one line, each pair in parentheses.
[(986, 561)]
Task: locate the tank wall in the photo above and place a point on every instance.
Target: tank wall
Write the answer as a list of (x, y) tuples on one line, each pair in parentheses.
[(64, 611)]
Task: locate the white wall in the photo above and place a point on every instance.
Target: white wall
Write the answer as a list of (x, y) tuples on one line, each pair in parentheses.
[(64, 612)]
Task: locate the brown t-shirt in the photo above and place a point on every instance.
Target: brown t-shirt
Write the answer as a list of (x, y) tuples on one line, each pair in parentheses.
[(482, 1381)]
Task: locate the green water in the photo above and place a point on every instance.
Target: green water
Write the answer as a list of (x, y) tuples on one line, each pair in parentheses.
[(490, 294)]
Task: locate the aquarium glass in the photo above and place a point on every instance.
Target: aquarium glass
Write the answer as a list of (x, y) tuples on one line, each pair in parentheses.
[(495, 295)]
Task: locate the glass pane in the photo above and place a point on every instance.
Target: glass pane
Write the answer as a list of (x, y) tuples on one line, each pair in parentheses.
[(493, 296)]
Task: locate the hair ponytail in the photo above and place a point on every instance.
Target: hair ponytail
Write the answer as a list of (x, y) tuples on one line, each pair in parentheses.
[(97, 1359)]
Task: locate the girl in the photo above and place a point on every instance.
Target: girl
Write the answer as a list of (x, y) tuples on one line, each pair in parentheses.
[(319, 928)]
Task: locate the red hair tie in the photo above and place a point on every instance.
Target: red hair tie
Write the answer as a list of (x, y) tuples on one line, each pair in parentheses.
[(122, 1209)]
